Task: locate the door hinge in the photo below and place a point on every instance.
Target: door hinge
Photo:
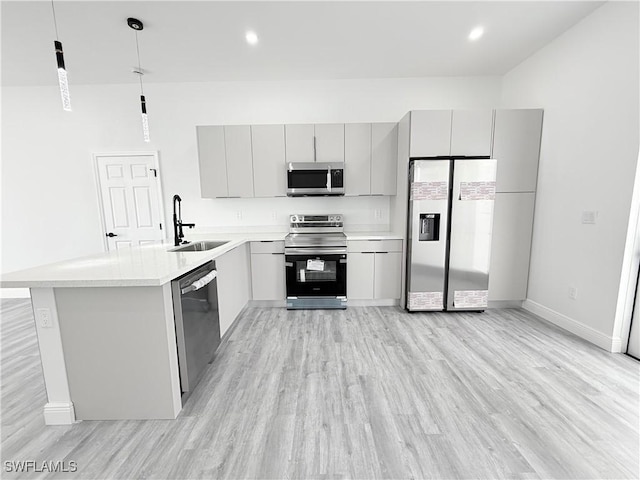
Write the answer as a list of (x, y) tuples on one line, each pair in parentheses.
[(155, 172), (160, 226)]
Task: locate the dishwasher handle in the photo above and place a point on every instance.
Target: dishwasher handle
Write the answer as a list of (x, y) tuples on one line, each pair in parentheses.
[(201, 282)]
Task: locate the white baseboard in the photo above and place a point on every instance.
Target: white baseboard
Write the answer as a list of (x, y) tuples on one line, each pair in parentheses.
[(14, 293), (567, 323), (267, 303), (505, 304), (59, 413), (387, 302)]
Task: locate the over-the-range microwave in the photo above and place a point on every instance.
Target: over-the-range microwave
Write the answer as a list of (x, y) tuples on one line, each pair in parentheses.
[(315, 179)]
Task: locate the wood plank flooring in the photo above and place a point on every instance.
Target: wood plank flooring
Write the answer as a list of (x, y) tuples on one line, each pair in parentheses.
[(364, 393)]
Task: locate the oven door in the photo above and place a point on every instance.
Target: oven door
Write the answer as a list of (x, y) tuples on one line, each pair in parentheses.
[(316, 274)]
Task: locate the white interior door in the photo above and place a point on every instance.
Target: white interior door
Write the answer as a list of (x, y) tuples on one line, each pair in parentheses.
[(131, 200)]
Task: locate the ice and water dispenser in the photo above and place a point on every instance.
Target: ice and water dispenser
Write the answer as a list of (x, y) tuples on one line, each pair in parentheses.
[(429, 227)]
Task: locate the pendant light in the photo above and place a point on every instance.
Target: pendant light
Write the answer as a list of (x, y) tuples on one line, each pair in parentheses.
[(137, 25), (62, 72)]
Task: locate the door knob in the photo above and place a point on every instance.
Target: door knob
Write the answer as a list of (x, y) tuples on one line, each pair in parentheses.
[(111, 234)]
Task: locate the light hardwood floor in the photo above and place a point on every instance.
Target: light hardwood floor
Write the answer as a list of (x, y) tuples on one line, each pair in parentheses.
[(362, 393)]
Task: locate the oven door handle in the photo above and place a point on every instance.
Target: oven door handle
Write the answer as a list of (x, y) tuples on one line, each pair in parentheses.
[(309, 251), (201, 282)]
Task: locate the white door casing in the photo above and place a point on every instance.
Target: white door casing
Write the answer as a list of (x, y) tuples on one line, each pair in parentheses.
[(130, 198)]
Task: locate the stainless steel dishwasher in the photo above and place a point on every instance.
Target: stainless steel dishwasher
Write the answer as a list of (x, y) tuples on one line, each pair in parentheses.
[(195, 306)]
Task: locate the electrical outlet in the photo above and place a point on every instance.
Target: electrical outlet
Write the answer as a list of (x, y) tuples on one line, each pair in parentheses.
[(44, 318), (239, 215), (274, 216), (377, 214), (573, 292)]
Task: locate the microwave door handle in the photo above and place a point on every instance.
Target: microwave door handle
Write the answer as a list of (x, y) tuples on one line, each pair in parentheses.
[(329, 179)]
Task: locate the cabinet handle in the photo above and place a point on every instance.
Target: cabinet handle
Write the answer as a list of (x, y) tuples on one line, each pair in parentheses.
[(314, 149), (279, 253)]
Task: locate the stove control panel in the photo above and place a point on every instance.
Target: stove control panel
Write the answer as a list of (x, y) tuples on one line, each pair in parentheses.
[(301, 221)]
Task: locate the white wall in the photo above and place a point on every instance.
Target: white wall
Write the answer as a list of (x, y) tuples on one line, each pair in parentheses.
[(49, 205), (587, 82)]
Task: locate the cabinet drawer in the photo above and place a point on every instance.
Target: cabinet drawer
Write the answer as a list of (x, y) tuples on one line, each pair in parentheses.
[(276, 246), (374, 246)]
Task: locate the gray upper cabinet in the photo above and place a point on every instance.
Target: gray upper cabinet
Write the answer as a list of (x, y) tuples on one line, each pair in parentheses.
[(269, 166), (315, 143), (213, 162), (299, 143), (357, 158), (516, 146), (225, 160), (430, 133), (471, 132), (329, 138), (384, 158), (239, 160)]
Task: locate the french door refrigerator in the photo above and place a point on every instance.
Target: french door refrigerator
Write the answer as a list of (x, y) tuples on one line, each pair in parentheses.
[(449, 233)]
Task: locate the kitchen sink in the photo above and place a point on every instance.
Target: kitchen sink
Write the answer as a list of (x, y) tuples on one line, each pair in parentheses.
[(199, 246)]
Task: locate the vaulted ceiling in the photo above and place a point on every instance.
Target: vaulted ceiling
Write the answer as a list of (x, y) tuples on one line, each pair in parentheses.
[(200, 41)]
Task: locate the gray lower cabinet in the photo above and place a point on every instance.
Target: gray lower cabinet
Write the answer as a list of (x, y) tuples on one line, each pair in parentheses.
[(234, 284), (360, 275), (374, 269), (226, 162), (511, 246), (269, 164), (387, 268), (268, 271)]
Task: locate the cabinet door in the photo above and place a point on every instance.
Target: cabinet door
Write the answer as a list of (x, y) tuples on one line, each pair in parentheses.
[(516, 146), (430, 133), (330, 142), (268, 276), (212, 161), (269, 167), (299, 143), (360, 273), (388, 268), (357, 158), (511, 246), (384, 158), (239, 160), (471, 132)]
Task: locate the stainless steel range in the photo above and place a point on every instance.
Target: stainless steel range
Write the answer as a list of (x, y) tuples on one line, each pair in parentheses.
[(316, 262)]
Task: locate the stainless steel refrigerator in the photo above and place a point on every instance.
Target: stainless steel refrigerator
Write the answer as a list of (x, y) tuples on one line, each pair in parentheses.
[(449, 233)]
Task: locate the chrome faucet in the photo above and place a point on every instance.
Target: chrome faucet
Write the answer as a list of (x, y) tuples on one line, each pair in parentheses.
[(177, 222)]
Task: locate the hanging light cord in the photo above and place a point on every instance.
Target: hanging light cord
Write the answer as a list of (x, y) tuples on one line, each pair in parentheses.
[(55, 24), (139, 68)]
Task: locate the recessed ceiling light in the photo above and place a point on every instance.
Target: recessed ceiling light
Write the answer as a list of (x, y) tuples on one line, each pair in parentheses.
[(476, 33), (252, 38)]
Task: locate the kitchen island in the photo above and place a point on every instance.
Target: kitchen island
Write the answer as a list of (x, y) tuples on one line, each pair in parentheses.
[(105, 324), (106, 331)]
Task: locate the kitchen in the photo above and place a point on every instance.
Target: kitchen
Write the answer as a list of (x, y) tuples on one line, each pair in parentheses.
[(71, 228)]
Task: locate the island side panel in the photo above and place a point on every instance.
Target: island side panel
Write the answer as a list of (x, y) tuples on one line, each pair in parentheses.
[(119, 352)]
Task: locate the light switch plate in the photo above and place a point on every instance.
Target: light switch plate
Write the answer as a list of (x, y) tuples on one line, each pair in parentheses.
[(44, 318)]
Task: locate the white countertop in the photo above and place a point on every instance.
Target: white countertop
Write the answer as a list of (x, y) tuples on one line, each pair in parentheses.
[(149, 265)]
